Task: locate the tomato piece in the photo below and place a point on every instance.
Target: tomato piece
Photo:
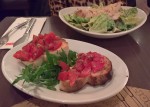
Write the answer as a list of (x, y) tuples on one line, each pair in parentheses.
[(85, 72), (57, 44), (35, 39), (41, 43), (50, 46), (79, 65), (41, 36), (73, 75), (37, 52), (63, 76), (28, 47), (64, 66), (97, 66), (22, 55), (48, 38)]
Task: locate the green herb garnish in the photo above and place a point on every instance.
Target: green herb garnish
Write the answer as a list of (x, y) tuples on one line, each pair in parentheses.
[(46, 74)]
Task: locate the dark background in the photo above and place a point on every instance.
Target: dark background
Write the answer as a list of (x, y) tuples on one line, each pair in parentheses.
[(24, 8)]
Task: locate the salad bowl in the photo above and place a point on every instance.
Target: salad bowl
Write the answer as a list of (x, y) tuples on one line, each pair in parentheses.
[(141, 15)]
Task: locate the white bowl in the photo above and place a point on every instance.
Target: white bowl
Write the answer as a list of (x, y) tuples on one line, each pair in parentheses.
[(69, 10)]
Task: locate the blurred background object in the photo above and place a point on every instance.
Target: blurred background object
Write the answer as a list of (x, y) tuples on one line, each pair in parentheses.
[(144, 5), (23, 8), (51, 7)]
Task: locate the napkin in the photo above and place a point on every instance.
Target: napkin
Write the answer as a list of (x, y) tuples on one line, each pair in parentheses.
[(19, 33)]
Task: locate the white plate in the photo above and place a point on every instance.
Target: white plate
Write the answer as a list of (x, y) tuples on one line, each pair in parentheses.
[(12, 68), (69, 10)]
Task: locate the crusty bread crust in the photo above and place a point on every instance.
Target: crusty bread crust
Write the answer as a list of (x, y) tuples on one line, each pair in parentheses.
[(98, 78), (79, 83)]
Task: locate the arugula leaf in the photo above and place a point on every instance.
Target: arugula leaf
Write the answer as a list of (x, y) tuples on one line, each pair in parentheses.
[(69, 59), (63, 56), (72, 57), (52, 59), (17, 80), (46, 74)]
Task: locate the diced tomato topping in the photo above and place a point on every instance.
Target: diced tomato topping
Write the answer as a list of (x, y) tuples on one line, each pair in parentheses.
[(22, 55), (63, 76), (41, 36), (52, 42), (79, 65), (57, 44), (91, 60), (29, 52), (41, 43), (85, 64), (64, 66), (28, 48), (73, 75), (38, 45), (37, 52), (86, 72), (48, 38), (50, 46), (35, 39), (96, 66)]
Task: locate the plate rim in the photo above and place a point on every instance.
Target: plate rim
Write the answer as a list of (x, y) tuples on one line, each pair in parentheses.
[(102, 35), (68, 94)]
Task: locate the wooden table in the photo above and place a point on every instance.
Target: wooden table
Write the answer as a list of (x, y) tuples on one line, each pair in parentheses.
[(133, 49)]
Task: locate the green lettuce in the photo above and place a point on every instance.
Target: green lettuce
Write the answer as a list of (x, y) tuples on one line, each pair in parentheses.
[(128, 16), (102, 24)]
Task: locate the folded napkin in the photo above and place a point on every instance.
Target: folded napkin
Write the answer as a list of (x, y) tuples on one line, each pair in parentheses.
[(19, 33)]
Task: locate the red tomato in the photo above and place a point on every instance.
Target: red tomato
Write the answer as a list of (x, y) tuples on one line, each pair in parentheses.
[(63, 76), (73, 75), (28, 47), (24, 56), (36, 52), (64, 66), (35, 39), (57, 44)]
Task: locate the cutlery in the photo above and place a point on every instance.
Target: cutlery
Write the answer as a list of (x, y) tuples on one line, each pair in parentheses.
[(26, 35), (5, 38)]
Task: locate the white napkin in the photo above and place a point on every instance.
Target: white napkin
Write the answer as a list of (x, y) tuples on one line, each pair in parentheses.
[(19, 33)]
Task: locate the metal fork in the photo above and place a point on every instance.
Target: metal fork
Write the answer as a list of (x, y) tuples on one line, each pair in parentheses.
[(5, 38)]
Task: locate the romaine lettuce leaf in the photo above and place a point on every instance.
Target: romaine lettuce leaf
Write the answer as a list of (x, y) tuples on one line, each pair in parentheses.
[(129, 16), (102, 24)]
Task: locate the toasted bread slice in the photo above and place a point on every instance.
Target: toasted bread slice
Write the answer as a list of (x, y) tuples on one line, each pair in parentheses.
[(64, 47), (36, 62), (94, 78), (79, 83), (101, 77)]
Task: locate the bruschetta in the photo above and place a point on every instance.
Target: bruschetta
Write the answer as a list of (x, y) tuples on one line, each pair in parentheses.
[(34, 52), (90, 68)]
